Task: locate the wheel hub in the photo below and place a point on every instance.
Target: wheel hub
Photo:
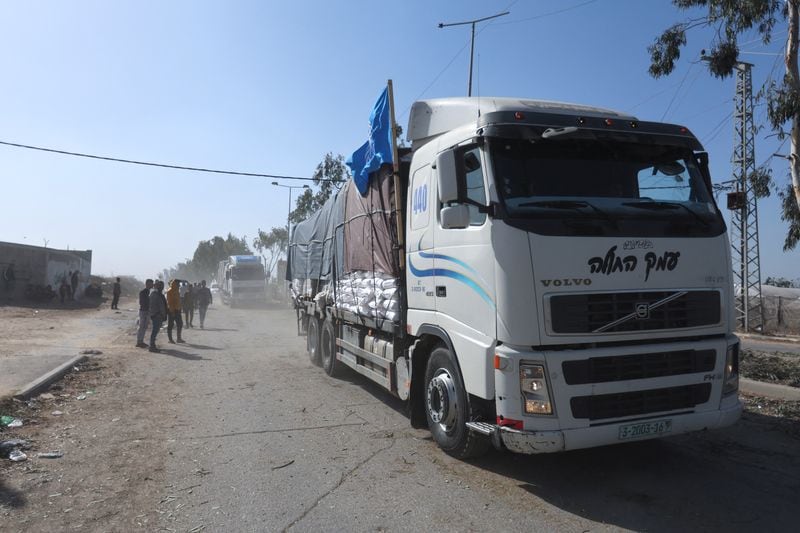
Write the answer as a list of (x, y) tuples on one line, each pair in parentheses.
[(441, 399)]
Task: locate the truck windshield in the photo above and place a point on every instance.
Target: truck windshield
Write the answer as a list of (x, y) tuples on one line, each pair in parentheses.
[(560, 185), (247, 273)]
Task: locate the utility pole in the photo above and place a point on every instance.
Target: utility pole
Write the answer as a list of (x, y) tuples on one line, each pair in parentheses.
[(289, 214), (744, 207), (472, 41)]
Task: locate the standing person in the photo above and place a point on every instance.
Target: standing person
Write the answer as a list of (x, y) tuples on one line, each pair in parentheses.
[(144, 313), (67, 279), (63, 290), (116, 292), (187, 302), (174, 310), (204, 299), (10, 279), (158, 312), (73, 279)]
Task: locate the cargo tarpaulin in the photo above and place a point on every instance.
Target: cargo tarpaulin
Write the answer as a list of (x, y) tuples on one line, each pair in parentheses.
[(312, 250), (369, 226), (350, 233)]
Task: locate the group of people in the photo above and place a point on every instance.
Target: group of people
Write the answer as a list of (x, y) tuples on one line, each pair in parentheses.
[(155, 308)]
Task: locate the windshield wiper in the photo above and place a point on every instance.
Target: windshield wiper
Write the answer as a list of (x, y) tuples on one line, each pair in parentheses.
[(567, 204), (654, 205)]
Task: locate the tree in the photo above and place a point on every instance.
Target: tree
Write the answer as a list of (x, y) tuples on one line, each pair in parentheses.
[(781, 282), (207, 256), (209, 253), (330, 175), (730, 19), (271, 246)]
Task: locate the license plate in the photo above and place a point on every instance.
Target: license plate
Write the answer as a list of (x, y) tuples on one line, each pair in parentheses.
[(645, 429)]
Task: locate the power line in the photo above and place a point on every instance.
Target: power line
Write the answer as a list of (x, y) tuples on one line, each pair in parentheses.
[(447, 66), (160, 165), (449, 63), (675, 95), (710, 136), (761, 39), (548, 14)]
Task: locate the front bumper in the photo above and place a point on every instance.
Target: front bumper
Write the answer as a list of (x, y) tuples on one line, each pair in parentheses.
[(530, 442)]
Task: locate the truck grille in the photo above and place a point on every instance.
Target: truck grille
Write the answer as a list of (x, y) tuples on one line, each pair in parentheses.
[(640, 402), (586, 313), (637, 366)]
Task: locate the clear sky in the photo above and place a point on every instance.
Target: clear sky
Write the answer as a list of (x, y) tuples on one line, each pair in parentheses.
[(270, 87)]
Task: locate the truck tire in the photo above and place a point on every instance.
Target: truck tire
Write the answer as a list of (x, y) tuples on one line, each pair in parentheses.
[(312, 340), (327, 346), (447, 408)]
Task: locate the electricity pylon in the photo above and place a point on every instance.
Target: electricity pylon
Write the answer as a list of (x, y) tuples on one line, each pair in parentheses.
[(744, 207)]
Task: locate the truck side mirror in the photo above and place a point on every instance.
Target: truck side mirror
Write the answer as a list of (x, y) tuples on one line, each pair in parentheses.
[(455, 216), (447, 176)]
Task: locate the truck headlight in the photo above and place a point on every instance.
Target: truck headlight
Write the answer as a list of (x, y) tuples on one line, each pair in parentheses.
[(533, 385), (731, 382)]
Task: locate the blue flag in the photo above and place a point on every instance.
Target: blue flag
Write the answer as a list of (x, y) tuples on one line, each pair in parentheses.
[(378, 148)]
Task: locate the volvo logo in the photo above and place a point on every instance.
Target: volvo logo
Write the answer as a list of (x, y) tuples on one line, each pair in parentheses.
[(641, 311), (566, 282)]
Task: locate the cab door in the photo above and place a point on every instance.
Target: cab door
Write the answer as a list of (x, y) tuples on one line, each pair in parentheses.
[(420, 241), (463, 258)]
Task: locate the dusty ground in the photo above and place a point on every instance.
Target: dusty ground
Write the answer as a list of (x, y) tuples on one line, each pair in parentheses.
[(96, 484), (39, 323), (95, 480), (771, 366), (236, 431)]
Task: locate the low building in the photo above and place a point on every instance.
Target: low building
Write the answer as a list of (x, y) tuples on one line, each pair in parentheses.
[(39, 266)]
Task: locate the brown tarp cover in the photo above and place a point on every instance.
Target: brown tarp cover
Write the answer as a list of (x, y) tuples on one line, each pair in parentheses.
[(351, 232), (370, 232)]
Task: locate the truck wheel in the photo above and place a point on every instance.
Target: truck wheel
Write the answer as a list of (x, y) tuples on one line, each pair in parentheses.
[(312, 340), (328, 349), (447, 408)]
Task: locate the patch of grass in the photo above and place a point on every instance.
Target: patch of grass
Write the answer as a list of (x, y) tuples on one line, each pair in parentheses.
[(774, 367)]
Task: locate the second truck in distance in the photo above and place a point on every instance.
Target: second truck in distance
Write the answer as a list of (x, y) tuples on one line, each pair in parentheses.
[(242, 280)]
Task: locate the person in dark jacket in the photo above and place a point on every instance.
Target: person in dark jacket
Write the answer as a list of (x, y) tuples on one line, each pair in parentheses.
[(204, 299), (158, 312), (144, 313), (116, 292), (174, 310), (10, 279), (187, 303), (73, 280)]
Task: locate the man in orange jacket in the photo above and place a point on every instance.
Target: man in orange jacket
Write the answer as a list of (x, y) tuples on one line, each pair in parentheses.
[(174, 310)]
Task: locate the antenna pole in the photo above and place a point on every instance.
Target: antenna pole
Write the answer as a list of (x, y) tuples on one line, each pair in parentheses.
[(472, 40)]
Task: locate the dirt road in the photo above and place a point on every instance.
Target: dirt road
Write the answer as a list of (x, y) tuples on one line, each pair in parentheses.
[(236, 431)]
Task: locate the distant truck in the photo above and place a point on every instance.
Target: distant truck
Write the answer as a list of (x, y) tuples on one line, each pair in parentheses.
[(540, 276), (242, 280)]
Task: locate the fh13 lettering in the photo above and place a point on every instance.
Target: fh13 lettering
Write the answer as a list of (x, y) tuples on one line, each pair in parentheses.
[(612, 263)]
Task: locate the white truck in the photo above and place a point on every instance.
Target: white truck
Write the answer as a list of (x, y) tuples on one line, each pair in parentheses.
[(242, 280), (561, 276)]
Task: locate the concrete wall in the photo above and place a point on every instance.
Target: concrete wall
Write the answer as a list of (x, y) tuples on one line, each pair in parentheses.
[(43, 266)]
